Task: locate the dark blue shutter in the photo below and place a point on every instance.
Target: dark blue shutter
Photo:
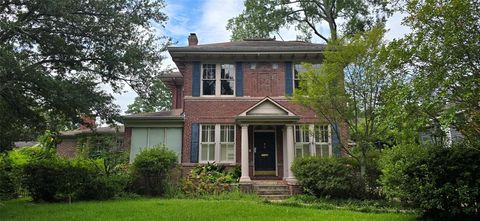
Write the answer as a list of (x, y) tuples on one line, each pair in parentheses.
[(194, 147), (239, 80), (288, 79), (336, 140), (196, 79)]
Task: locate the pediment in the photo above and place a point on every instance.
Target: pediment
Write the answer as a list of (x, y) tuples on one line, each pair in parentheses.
[(267, 107)]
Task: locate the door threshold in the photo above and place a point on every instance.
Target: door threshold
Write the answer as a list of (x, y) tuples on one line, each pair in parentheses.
[(265, 173)]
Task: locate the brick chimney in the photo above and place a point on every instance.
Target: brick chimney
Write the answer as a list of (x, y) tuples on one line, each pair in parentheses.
[(192, 39)]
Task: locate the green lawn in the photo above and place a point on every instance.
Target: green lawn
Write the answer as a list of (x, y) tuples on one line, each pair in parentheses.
[(178, 209)]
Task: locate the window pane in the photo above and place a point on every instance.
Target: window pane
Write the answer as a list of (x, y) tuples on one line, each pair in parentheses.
[(322, 150), (208, 79), (227, 133), (208, 72), (211, 151), (208, 87), (227, 87), (297, 134), (227, 152), (227, 76), (298, 150), (228, 72), (306, 150), (204, 152)]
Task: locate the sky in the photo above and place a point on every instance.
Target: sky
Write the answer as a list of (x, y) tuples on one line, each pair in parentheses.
[(208, 19)]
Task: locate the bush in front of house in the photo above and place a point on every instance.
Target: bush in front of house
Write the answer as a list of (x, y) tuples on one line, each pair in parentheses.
[(329, 177), (7, 183), (443, 182), (151, 168), (54, 179), (209, 179)]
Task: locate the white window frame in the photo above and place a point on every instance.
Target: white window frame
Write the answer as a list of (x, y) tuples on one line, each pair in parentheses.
[(293, 72), (227, 142), (319, 142), (302, 143), (217, 144), (312, 141), (200, 156), (218, 80)]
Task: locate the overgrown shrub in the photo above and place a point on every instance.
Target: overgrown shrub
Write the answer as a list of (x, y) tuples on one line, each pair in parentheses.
[(329, 177), (56, 179), (44, 178), (151, 167), (443, 182), (7, 183), (209, 179)]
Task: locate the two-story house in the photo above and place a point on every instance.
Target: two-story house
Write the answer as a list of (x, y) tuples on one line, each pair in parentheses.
[(231, 106)]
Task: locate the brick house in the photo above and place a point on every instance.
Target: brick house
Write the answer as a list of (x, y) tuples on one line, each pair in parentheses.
[(230, 106)]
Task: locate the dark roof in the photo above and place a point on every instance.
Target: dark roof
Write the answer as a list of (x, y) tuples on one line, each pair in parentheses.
[(173, 114), (173, 74), (253, 45), (99, 130)]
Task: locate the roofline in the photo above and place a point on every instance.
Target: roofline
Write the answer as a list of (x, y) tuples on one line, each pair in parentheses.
[(166, 118), (278, 50)]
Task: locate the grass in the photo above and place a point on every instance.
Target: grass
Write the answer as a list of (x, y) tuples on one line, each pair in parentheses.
[(179, 209)]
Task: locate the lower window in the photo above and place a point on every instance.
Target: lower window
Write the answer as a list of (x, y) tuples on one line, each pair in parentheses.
[(217, 139), (312, 140)]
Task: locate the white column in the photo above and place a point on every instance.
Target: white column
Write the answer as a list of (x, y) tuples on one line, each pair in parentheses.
[(245, 178), (290, 154)]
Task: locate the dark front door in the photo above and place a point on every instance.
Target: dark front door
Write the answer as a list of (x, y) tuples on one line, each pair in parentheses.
[(264, 143)]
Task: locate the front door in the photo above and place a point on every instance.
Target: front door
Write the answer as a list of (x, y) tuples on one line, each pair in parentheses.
[(264, 144)]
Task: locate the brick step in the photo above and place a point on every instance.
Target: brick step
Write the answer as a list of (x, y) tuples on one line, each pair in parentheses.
[(275, 197), (271, 188), (272, 192)]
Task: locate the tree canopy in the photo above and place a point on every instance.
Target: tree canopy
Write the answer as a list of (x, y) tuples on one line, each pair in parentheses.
[(347, 88), (54, 54), (261, 18), (438, 66), (158, 100)]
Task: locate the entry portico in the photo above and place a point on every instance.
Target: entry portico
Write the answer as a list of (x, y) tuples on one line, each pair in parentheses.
[(269, 152)]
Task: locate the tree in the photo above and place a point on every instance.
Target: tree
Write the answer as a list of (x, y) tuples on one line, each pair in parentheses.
[(54, 54), (158, 100), (347, 89), (439, 62), (261, 18)]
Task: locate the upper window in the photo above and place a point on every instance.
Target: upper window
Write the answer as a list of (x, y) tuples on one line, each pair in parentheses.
[(218, 79), (297, 70)]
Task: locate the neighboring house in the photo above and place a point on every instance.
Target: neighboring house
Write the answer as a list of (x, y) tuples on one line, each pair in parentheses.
[(230, 106), (70, 140)]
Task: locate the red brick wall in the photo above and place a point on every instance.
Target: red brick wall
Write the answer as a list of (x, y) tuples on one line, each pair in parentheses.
[(258, 83), (127, 138), (67, 148)]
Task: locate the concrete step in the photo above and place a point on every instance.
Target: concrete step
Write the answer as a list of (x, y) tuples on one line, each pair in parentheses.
[(275, 197)]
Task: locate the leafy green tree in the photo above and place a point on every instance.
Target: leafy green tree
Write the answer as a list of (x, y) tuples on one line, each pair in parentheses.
[(157, 100), (54, 54), (261, 18), (347, 89), (438, 66)]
